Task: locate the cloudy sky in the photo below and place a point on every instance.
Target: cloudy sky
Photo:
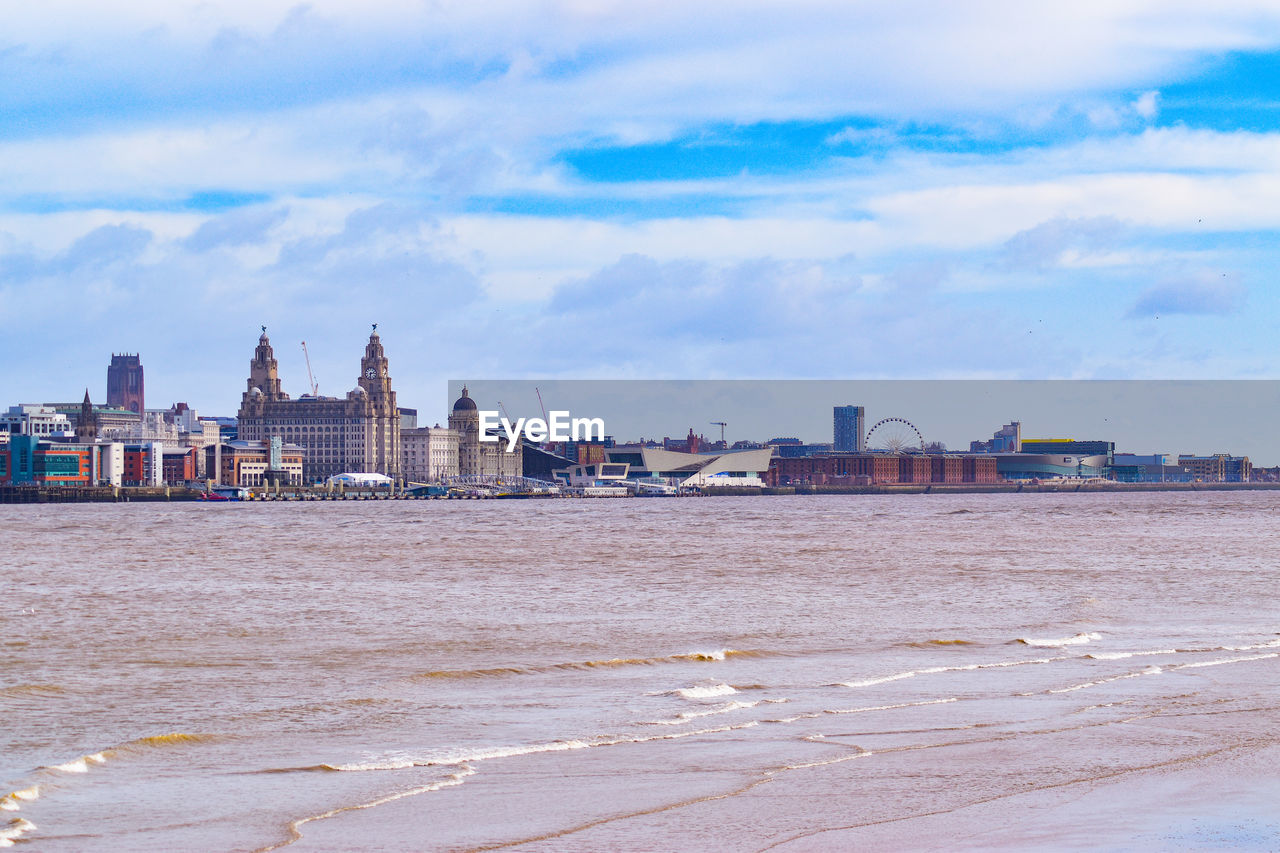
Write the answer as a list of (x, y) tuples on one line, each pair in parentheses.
[(646, 190)]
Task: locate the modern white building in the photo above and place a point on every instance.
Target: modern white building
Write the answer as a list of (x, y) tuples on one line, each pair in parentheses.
[(35, 419), (109, 459), (693, 470)]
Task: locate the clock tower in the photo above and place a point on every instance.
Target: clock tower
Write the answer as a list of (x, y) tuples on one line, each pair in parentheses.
[(382, 417), (374, 377)]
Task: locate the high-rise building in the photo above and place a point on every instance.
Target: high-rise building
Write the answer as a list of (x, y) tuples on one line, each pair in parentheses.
[(356, 434), (850, 429), (124, 383)]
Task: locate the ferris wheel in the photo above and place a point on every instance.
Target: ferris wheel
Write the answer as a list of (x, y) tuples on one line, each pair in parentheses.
[(895, 435)]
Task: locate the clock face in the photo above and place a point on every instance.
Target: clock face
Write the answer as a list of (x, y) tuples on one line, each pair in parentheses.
[(371, 373)]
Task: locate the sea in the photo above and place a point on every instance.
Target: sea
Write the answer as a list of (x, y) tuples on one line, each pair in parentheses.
[(808, 673)]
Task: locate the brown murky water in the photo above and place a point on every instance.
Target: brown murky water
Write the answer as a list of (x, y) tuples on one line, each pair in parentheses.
[(974, 671)]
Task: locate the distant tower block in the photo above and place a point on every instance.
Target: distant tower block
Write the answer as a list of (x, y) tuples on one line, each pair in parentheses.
[(850, 428), (124, 383)]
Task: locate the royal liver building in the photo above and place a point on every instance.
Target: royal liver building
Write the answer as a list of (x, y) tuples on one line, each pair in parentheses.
[(356, 434)]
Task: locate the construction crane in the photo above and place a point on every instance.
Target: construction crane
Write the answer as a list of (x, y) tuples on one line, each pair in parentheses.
[(722, 425), (315, 389), (504, 411), (540, 403)]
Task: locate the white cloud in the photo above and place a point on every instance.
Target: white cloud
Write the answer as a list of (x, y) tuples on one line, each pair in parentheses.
[(1147, 105)]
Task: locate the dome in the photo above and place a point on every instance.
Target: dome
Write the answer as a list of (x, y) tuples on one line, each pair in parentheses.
[(465, 403), (256, 392), (358, 391)]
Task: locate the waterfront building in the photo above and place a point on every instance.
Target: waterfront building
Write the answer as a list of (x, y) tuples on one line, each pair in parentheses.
[(791, 448), (539, 463), (946, 469), (125, 387), (1050, 466), (1218, 468), (249, 464), (678, 468), (850, 432), (359, 433), (1070, 445), (108, 463), (429, 454), (30, 460), (478, 458), (143, 464), (881, 468), (1148, 468)]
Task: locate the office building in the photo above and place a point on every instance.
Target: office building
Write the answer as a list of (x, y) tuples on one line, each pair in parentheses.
[(850, 429), (359, 433)]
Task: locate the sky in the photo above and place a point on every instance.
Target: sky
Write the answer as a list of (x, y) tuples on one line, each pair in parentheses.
[(713, 190)]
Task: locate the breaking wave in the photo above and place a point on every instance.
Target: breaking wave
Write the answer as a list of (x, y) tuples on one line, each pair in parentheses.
[(13, 801), (706, 692), (1076, 640), (400, 761), (85, 762), (726, 708), (611, 663), (1223, 661), (14, 830), (932, 670), (1151, 670), (1124, 655)]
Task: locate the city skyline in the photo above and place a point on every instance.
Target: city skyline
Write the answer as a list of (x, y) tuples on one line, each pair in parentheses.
[(1140, 416), (825, 191)]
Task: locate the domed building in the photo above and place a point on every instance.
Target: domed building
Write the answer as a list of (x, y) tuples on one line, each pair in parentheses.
[(358, 434), (481, 458), (465, 421), (435, 454)]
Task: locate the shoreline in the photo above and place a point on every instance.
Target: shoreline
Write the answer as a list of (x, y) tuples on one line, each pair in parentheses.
[(129, 494)]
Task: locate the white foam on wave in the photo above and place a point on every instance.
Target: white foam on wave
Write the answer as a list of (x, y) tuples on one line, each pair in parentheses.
[(14, 830), (461, 756), (469, 756), (12, 802), (1225, 661), (452, 780), (1075, 640), (727, 708), (863, 754), (892, 707), (709, 692), (884, 679), (1124, 655), (81, 764), (1270, 644), (1151, 670), (932, 670)]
